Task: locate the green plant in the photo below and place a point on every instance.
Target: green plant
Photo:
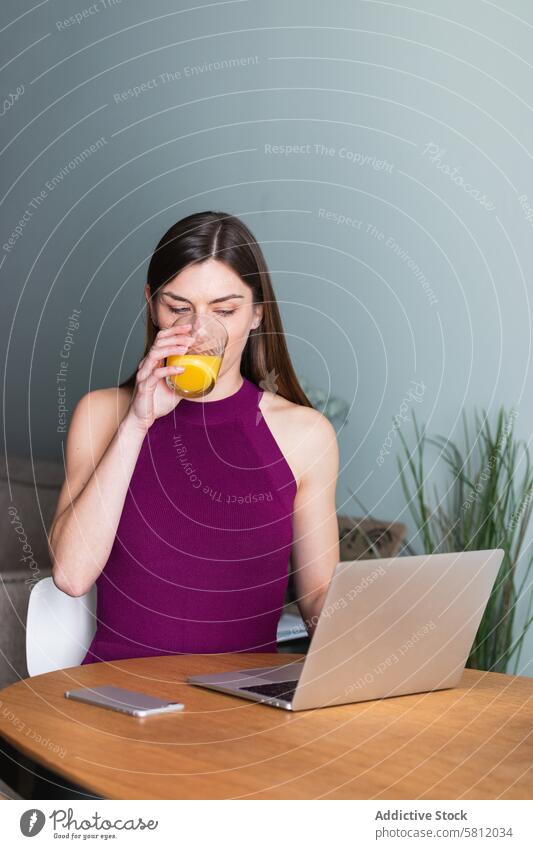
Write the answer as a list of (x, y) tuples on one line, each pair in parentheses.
[(487, 505)]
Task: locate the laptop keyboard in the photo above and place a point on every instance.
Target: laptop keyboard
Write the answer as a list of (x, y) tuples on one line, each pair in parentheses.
[(279, 689)]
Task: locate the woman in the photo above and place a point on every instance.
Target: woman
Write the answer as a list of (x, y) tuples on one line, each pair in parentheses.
[(184, 511)]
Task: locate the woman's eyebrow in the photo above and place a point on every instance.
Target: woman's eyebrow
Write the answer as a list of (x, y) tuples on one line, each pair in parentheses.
[(215, 301)]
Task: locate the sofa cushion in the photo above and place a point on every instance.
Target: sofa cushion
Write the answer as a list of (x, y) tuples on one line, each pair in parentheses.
[(28, 498), (368, 538)]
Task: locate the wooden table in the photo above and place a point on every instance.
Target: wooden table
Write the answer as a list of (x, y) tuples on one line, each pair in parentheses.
[(472, 742)]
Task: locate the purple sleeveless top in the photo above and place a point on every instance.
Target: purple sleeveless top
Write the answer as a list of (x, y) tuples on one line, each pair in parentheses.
[(200, 559)]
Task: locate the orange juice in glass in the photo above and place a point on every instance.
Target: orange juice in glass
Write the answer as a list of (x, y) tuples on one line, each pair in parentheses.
[(203, 358)]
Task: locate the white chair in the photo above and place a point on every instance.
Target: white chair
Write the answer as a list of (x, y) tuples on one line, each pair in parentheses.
[(59, 627)]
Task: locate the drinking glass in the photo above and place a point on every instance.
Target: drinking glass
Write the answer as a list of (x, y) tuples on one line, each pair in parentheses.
[(203, 358)]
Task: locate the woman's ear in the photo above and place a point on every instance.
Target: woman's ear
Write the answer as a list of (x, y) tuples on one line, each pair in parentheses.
[(258, 317)]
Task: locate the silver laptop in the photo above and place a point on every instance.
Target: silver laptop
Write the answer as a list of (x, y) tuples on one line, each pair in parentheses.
[(387, 628)]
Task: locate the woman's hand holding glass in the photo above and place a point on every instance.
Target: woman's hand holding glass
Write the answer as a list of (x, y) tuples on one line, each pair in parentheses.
[(152, 398)]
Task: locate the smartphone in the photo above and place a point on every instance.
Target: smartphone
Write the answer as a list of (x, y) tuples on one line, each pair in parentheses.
[(125, 701)]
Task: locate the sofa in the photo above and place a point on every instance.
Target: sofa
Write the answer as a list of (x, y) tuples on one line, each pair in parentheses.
[(28, 496)]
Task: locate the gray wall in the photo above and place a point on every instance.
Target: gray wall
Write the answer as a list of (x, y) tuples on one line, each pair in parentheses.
[(415, 123)]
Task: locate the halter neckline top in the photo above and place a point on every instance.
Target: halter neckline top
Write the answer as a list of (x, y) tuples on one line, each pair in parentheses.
[(200, 560), (224, 409)]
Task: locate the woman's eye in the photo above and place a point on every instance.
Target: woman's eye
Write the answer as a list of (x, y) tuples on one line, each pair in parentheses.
[(186, 309)]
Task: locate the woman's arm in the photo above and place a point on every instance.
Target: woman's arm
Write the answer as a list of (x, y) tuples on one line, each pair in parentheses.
[(316, 550), (104, 439), (99, 462)]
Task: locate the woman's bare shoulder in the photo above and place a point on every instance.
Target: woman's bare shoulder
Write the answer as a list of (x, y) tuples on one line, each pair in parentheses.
[(303, 433), (108, 402), (307, 420), (98, 414)]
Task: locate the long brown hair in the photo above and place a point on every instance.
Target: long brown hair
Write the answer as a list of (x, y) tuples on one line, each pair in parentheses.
[(205, 235)]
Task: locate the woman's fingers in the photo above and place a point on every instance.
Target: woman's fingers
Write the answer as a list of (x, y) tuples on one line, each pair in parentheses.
[(175, 339), (171, 331), (172, 341), (153, 379), (157, 356), (147, 369), (159, 353), (162, 372)]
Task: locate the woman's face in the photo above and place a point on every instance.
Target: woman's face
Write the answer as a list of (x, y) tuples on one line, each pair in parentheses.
[(210, 288)]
